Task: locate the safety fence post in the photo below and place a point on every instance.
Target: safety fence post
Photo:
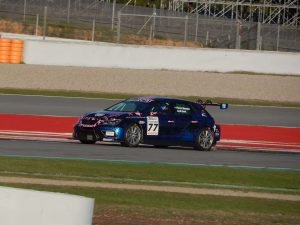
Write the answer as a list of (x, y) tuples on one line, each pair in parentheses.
[(45, 23), (119, 28), (93, 31), (258, 37), (185, 29), (153, 22), (238, 35), (37, 25)]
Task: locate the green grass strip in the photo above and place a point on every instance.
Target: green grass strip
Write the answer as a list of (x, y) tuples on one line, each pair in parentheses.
[(185, 206), (73, 93), (185, 175)]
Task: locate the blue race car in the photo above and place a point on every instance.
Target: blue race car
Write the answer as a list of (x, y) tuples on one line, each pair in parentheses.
[(158, 121)]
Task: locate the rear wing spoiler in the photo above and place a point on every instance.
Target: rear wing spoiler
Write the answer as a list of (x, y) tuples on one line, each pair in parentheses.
[(210, 103)]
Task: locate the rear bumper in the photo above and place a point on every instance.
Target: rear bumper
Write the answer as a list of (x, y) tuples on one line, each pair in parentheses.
[(217, 132)]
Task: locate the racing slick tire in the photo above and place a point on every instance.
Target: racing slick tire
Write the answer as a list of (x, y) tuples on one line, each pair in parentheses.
[(87, 142), (132, 136), (205, 139)]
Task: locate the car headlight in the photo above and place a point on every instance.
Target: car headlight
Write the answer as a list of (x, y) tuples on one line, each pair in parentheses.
[(112, 122), (79, 119)]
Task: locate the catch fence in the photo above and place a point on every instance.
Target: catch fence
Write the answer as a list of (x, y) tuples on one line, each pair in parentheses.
[(103, 21)]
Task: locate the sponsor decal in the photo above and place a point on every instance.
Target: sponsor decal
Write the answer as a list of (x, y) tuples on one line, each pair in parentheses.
[(87, 125), (108, 139), (99, 114), (110, 133), (89, 118), (182, 109), (89, 137), (152, 125), (145, 99)]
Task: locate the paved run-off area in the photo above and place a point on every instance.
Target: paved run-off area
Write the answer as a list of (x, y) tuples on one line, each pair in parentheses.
[(142, 82)]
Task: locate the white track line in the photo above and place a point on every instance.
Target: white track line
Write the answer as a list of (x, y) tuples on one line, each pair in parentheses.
[(34, 133)]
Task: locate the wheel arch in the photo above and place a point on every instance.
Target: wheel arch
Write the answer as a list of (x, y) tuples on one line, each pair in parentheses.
[(131, 121)]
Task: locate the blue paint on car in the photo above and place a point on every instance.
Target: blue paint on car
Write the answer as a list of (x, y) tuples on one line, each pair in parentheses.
[(159, 121)]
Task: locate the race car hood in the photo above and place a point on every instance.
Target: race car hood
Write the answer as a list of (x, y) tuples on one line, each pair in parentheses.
[(94, 119), (108, 115), (111, 115)]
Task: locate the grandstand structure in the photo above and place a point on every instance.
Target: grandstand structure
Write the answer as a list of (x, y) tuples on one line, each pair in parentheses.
[(283, 12), (272, 25)]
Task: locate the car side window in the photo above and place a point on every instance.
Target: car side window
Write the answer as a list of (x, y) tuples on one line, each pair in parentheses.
[(160, 108), (182, 109)]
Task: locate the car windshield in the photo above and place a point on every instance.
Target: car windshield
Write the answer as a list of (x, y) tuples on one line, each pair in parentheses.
[(128, 106)]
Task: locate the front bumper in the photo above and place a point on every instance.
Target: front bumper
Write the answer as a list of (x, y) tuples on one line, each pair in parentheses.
[(99, 133)]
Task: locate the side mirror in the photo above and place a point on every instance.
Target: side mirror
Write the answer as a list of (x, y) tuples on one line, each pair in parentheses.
[(223, 106)]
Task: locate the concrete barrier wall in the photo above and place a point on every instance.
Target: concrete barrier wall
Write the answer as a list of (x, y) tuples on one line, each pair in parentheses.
[(28, 207), (169, 58), (66, 52)]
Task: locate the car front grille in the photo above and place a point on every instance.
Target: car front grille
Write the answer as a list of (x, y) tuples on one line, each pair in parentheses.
[(89, 121)]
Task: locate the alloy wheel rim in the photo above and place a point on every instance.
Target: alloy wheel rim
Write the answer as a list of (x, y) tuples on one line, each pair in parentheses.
[(133, 135), (206, 139)]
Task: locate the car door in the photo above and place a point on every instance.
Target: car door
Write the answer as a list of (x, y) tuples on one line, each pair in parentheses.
[(159, 125), (183, 117)]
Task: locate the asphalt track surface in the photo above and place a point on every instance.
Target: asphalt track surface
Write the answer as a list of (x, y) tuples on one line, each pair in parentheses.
[(105, 151), (77, 106), (271, 116)]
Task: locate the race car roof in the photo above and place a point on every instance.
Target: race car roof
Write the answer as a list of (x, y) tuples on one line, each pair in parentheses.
[(148, 99)]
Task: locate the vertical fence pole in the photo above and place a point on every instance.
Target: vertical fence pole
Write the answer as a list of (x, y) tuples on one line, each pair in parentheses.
[(207, 38), (238, 35), (278, 37), (278, 33), (24, 12), (154, 21), (93, 31), (258, 37), (250, 17), (151, 33), (284, 14), (237, 10), (113, 15), (45, 23), (119, 27), (185, 29), (197, 22), (263, 12), (68, 11), (37, 25), (209, 8), (298, 6)]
